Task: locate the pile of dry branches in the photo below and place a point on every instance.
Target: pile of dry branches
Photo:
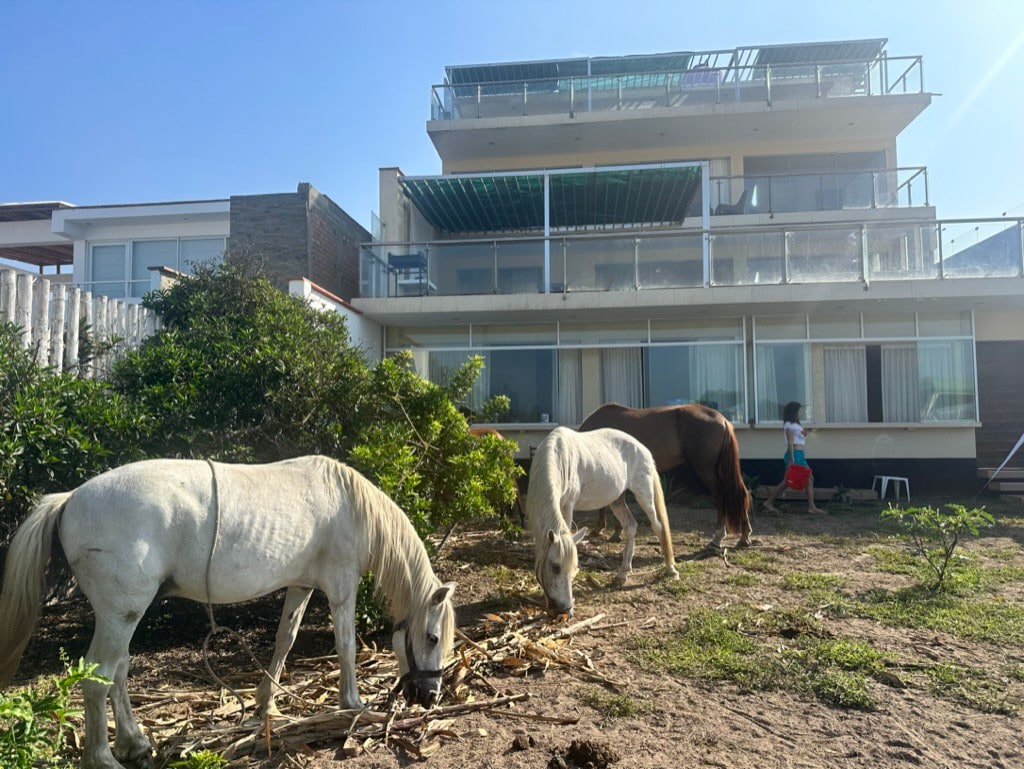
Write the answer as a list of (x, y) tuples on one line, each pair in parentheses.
[(513, 643)]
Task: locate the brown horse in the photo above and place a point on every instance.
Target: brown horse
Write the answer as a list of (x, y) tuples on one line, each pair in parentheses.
[(479, 432), (698, 437)]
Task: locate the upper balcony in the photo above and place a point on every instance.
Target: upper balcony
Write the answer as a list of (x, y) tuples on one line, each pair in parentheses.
[(618, 272), (501, 115)]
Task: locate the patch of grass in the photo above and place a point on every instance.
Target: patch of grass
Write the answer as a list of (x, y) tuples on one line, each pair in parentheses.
[(691, 579), (805, 581), (775, 650), (742, 579), (1000, 553), (897, 562), (1011, 521), (990, 620), (613, 706), (755, 560), (971, 687)]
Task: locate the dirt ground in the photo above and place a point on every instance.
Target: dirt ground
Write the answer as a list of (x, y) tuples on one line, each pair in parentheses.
[(679, 722)]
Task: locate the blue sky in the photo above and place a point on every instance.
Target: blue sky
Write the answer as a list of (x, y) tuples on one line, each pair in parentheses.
[(115, 102)]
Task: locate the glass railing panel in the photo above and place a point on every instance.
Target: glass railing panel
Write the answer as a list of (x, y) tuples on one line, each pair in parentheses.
[(600, 264), (373, 274), (671, 262), (847, 79), (462, 268), (746, 259), (824, 256), (901, 252), (981, 250), (660, 89), (903, 74), (520, 267)]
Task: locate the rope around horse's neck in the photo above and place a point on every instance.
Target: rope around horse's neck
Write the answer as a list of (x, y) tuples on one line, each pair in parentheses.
[(214, 627)]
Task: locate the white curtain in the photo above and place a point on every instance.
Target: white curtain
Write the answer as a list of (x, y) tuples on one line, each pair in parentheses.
[(713, 375), (900, 399), (444, 364), (846, 383), (621, 378), (769, 404), (947, 380), (569, 387)]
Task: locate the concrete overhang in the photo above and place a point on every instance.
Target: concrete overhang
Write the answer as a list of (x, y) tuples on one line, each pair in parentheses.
[(680, 303), (75, 223), (495, 143)]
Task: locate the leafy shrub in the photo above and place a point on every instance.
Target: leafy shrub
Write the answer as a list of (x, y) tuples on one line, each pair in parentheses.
[(56, 430), (34, 721), (245, 372), (936, 533)]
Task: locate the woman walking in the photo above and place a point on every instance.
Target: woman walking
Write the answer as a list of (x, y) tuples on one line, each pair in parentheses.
[(796, 437)]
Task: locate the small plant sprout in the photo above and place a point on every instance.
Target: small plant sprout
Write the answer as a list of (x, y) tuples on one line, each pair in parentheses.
[(936, 533)]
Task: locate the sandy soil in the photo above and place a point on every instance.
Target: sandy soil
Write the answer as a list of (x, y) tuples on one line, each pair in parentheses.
[(680, 722)]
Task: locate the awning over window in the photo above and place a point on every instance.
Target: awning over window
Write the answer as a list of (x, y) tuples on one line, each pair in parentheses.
[(578, 200)]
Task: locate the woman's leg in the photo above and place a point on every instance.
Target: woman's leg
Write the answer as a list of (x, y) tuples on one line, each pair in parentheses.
[(811, 507), (769, 503)]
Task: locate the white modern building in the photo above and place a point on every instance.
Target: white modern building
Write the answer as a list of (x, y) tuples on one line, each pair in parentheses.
[(729, 227)]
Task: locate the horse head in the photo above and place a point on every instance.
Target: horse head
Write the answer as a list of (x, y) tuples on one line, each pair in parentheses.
[(422, 642), (557, 567)]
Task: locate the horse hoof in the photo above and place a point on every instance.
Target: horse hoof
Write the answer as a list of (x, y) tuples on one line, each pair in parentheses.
[(619, 580), (673, 574), (746, 543)]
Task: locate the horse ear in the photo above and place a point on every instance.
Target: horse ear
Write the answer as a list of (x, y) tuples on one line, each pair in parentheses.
[(551, 536), (579, 535), (442, 594)]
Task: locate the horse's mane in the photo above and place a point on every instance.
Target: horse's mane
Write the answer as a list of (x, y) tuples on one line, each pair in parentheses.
[(547, 483), (395, 553)]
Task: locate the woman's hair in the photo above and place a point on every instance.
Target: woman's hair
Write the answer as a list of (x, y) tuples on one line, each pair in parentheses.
[(791, 413)]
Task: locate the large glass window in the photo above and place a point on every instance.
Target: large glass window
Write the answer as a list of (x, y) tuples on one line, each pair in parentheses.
[(123, 269), (917, 379), (107, 270), (783, 375), (711, 374)]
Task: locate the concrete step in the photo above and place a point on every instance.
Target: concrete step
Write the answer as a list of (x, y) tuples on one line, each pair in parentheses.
[(1001, 486), (1006, 474)]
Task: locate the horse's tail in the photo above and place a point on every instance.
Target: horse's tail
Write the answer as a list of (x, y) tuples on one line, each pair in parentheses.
[(732, 496), (24, 573), (665, 534)]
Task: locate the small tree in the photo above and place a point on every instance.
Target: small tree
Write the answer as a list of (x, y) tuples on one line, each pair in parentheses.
[(936, 533)]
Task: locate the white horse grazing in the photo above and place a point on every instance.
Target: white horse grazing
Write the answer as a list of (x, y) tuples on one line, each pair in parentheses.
[(219, 533), (588, 471)]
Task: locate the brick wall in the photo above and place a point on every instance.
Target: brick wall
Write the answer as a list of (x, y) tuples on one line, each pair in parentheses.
[(1000, 393), (334, 239), (301, 234), (271, 228)]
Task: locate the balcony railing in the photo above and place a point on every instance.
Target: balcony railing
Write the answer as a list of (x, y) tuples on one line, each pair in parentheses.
[(711, 85), (834, 191), (721, 256)]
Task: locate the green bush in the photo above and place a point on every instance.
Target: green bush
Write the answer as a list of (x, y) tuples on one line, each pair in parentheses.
[(56, 430), (244, 372), (34, 721)]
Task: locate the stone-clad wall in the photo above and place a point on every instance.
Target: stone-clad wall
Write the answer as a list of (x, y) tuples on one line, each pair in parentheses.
[(302, 234), (334, 239), (271, 228)]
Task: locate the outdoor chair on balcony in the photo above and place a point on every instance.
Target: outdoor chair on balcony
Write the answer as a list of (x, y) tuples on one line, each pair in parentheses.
[(410, 272), (723, 209)]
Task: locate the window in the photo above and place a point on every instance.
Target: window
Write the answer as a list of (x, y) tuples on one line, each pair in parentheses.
[(899, 380), (123, 269), (711, 374)]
